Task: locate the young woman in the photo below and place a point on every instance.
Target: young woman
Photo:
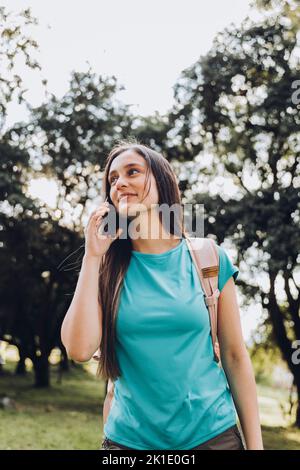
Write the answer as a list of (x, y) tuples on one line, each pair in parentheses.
[(140, 299)]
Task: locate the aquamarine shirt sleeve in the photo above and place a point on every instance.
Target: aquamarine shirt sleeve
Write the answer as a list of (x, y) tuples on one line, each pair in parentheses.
[(226, 268)]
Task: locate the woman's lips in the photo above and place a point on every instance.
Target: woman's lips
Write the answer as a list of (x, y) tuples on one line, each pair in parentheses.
[(127, 196)]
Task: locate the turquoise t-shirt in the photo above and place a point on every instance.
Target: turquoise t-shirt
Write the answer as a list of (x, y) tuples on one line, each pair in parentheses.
[(171, 393)]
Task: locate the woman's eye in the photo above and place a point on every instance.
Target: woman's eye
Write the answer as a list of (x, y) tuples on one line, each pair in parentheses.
[(113, 177)]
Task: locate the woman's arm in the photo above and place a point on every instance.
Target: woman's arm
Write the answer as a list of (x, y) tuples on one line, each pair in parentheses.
[(81, 330), (237, 366)]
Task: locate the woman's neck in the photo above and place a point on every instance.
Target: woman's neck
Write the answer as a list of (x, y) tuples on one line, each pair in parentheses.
[(149, 235), (154, 246)]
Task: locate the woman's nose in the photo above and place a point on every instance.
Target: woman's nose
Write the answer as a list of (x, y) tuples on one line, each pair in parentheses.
[(121, 182)]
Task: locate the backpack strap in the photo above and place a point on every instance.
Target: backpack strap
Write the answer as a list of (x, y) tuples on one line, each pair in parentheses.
[(205, 256)]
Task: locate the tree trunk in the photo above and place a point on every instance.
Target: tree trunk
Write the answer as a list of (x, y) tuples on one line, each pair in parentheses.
[(41, 370), (297, 422), (21, 367), (64, 361)]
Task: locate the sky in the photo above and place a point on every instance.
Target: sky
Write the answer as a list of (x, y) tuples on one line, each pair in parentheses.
[(145, 44)]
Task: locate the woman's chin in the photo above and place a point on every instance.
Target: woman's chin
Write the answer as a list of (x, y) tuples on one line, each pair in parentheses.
[(125, 210), (128, 208)]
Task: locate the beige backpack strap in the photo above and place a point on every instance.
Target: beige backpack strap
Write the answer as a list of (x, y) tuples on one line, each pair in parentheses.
[(205, 255)]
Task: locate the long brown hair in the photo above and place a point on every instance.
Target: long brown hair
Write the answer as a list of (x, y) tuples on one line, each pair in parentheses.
[(115, 262)]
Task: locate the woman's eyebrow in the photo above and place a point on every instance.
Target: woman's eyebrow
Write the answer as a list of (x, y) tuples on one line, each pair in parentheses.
[(125, 166)]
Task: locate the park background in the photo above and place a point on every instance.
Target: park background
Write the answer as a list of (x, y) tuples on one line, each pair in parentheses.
[(215, 87)]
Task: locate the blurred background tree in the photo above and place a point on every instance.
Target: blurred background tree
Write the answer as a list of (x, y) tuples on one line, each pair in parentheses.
[(238, 99)]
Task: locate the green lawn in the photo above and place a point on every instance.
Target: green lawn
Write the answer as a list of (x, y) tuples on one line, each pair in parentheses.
[(65, 416), (278, 434), (68, 415)]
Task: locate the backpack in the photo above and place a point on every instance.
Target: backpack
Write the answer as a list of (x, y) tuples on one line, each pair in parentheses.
[(204, 254)]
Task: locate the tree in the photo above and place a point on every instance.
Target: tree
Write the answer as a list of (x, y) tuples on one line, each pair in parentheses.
[(67, 140), (35, 292), (238, 99), (19, 215), (16, 45)]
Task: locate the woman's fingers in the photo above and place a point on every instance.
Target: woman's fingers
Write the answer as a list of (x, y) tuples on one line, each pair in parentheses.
[(98, 213), (101, 212), (95, 216)]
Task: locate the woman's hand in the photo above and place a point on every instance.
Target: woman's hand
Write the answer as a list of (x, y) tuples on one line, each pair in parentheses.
[(97, 244)]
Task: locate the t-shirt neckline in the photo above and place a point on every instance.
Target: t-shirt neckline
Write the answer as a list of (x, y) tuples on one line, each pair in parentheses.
[(139, 254)]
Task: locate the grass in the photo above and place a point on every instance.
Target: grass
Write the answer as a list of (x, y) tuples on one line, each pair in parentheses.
[(68, 415), (277, 431), (65, 416)]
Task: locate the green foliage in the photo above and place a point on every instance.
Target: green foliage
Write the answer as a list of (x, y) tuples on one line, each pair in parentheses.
[(239, 99), (264, 359), (16, 46)]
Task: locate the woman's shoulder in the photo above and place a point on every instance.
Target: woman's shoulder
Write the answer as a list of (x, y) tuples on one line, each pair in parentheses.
[(227, 267)]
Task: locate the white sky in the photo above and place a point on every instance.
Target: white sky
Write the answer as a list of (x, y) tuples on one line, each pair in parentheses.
[(145, 44)]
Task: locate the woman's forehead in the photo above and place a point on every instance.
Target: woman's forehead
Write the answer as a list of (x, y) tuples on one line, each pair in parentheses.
[(128, 157)]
